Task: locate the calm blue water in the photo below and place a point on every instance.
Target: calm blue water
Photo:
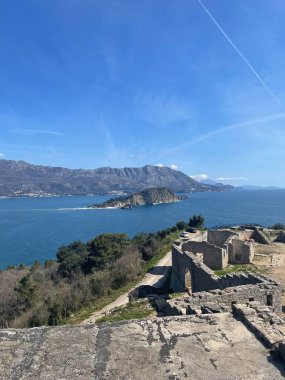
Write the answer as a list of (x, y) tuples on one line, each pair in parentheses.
[(33, 229)]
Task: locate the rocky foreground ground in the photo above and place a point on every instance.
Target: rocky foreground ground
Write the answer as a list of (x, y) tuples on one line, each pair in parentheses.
[(216, 346)]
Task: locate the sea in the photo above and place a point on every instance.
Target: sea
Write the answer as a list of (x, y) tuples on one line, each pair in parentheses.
[(34, 228)]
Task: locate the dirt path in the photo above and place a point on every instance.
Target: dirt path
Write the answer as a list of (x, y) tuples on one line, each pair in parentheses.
[(156, 277)]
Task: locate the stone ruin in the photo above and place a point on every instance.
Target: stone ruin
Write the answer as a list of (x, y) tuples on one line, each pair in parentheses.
[(250, 297), (228, 327), (190, 273), (219, 248)]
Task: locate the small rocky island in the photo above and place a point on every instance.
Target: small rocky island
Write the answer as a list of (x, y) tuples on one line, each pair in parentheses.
[(146, 197)]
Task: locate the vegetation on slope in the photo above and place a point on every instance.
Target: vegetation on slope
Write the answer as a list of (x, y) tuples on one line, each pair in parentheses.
[(84, 278)]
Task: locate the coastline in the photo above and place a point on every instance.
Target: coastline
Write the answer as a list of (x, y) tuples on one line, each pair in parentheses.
[(33, 195), (46, 227), (128, 208)]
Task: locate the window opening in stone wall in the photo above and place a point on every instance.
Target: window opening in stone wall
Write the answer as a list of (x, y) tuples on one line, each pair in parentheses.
[(269, 300)]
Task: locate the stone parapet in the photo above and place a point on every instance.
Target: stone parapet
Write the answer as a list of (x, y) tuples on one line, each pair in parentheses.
[(266, 324), (213, 301)]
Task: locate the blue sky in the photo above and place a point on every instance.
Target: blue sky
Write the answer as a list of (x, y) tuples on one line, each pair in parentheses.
[(198, 85)]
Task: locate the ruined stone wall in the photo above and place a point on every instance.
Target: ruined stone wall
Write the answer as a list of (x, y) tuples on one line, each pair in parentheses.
[(179, 269), (214, 257), (224, 247), (257, 235), (213, 301), (219, 237), (260, 237), (189, 271), (239, 278), (280, 238), (202, 277), (245, 234), (240, 252)]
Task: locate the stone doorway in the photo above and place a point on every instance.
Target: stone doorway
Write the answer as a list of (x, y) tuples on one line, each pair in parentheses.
[(188, 282)]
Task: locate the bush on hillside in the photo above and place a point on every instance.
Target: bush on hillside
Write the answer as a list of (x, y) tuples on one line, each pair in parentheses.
[(182, 226), (196, 221)]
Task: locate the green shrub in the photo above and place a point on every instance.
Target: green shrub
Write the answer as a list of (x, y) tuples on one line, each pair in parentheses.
[(196, 221), (278, 226), (182, 225)]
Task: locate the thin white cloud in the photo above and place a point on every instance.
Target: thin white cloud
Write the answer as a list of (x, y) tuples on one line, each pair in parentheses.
[(2, 155), (203, 177), (207, 136), (200, 177), (172, 166), (242, 56), (32, 132), (238, 125), (231, 179)]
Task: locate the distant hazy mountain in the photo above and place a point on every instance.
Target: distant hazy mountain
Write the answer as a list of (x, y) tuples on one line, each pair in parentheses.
[(249, 187), (244, 187), (18, 178), (216, 184), (208, 181)]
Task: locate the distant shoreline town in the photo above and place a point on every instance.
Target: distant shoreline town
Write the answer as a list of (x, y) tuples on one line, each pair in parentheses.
[(21, 179)]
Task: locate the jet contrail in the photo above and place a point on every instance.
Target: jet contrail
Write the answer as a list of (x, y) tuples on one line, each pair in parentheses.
[(242, 124), (206, 136), (238, 51)]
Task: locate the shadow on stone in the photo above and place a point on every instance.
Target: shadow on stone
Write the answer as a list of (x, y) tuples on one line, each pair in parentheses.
[(276, 360)]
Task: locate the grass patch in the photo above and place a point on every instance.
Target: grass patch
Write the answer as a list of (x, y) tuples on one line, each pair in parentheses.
[(240, 268), (135, 310), (178, 295)]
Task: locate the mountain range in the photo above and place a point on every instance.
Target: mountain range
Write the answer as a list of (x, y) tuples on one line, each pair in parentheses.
[(19, 178)]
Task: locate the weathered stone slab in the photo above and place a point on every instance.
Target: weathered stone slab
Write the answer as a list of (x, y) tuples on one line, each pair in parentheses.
[(215, 347), (268, 326)]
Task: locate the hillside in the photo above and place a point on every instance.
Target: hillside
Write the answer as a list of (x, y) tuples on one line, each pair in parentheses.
[(18, 178), (142, 198)]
